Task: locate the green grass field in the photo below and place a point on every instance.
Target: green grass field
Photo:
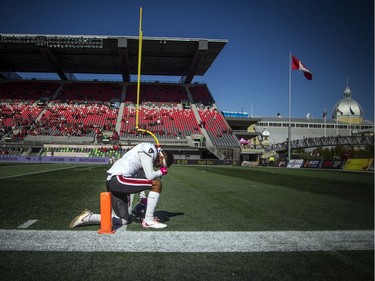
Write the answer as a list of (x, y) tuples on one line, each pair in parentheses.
[(204, 198)]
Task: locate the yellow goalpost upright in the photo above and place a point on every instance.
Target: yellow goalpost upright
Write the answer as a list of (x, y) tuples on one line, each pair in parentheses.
[(139, 81)]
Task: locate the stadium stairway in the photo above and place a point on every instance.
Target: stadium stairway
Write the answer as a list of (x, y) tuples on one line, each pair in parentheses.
[(119, 117), (209, 143)]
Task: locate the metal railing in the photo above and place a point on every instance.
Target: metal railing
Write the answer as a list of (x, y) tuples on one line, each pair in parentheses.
[(325, 141)]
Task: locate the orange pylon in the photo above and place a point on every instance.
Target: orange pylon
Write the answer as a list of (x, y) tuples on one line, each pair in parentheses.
[(106, 214)]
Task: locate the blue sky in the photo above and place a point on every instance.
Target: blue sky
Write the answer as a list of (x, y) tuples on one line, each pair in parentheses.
[(334, 39)]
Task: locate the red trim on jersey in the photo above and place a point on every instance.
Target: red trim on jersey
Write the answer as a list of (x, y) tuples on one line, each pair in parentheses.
[(134, 181)]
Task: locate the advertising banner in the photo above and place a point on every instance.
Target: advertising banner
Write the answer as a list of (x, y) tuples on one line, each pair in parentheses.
[(358, 164), (207, 162), (327, 164), (337, 164), (295, 163), (312, 163), (58, 159)]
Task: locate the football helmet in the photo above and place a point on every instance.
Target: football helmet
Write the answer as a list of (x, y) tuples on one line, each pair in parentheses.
[(139, 210)]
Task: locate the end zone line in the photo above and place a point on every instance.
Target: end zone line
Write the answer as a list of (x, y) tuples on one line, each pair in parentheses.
[(186, 242), (27, 224)]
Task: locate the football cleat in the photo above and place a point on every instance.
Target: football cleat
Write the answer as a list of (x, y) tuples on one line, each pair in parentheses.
[(81, 218), (153, 224)]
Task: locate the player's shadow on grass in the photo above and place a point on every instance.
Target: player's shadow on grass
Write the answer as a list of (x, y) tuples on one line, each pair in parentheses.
[(164, 216)]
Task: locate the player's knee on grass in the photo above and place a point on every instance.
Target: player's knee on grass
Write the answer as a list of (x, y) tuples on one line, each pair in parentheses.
[(120, 207), (156, 186)]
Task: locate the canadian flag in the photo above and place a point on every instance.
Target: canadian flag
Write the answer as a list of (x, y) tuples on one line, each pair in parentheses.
[(298, 65)]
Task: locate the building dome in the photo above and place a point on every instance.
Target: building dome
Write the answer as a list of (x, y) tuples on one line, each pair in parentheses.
[(348, 110), (265, 133)]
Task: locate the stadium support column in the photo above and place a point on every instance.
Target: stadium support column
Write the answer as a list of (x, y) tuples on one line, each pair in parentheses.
[(198, 54), (122, 45), (55, 63)]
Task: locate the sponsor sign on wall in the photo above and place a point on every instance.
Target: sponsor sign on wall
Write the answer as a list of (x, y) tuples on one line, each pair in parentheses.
[(47, 159), (312, 163), (358, 164), (337, 164), (327, 164), (295, 163), (206, 162)]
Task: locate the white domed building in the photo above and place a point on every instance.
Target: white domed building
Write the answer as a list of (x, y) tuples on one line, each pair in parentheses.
[(347, 110)]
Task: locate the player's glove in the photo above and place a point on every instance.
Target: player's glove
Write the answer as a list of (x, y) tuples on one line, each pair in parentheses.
[(164, 170)]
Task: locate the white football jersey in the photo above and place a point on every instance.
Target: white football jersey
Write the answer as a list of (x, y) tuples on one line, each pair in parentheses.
[(142, 156)]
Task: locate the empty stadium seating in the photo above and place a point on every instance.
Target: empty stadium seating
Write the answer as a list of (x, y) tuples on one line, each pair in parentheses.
[(77, 119), (201, 94), (156, 92), (19, 106), (27, 91), (73, 110), (216, 127), (90, 91), (165, 120)]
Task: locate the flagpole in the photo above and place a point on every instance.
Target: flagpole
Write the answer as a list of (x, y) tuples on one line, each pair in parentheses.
[(290, 103), (325, 122), (350, 119)]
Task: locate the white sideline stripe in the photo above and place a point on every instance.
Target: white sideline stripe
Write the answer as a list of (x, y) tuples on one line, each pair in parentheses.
[(38, 172), (27, 224), (197, 242)]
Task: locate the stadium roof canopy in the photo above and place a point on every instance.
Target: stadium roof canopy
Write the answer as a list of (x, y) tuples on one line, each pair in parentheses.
[(66, 55)]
